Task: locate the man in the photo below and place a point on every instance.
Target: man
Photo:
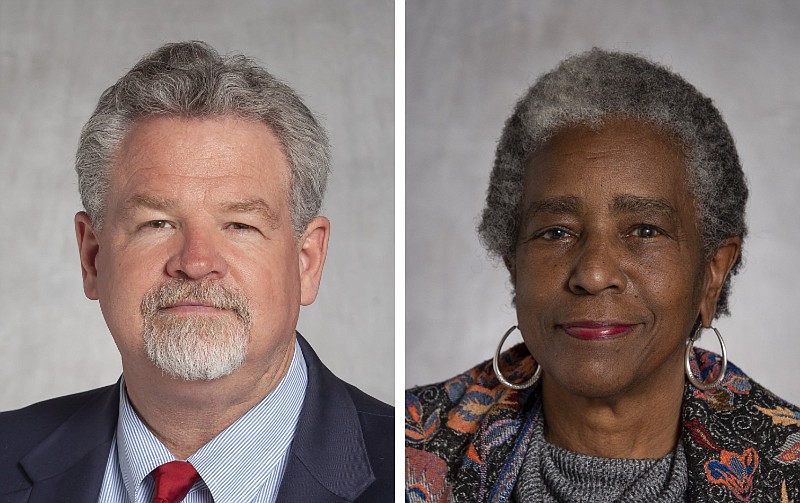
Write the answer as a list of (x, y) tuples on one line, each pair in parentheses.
[(202, 177)]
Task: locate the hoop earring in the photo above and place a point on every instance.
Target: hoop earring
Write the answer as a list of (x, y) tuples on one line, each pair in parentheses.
[(495, 363), (697, 383)]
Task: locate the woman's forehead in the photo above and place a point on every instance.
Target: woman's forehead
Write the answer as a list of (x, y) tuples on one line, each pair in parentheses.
[(620, 150), (608, 167)]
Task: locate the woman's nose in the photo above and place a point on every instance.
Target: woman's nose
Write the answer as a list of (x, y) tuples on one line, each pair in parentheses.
[(598, 268)]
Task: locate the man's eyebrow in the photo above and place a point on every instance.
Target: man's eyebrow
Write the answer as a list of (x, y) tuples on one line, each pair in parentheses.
[(564, 205), (255, 206), (636, 204), (150, 202)]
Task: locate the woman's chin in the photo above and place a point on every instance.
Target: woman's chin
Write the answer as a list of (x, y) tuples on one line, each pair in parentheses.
[(597, 380), (603, 385)]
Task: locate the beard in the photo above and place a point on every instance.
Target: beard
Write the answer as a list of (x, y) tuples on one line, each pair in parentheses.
[(196, 347)]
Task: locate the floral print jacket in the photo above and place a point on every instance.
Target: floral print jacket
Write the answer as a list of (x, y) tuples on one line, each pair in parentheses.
[(466, 437)]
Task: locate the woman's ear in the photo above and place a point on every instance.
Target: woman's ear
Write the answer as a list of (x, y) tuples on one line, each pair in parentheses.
[(717, 269), (511, 265)]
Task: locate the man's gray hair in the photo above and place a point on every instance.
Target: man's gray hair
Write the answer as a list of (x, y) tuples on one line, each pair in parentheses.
[(587, 89), (192, 80)]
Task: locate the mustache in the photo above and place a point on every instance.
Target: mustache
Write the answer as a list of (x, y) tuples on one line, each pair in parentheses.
[(213, 293)]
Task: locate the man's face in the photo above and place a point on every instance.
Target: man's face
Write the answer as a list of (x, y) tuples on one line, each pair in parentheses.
[(197, 268)]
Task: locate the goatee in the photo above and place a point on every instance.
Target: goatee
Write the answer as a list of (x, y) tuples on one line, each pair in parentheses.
[(196, 347)]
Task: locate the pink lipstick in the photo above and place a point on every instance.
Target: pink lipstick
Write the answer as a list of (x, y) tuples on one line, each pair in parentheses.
[(596, 330)]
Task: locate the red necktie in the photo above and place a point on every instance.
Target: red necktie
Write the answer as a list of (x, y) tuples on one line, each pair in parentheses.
[(173, 481)]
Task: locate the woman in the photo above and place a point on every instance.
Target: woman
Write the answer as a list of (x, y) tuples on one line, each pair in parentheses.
[(616, 202)]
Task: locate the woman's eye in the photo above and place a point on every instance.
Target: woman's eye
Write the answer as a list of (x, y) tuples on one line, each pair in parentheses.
[(646, 231), (554, 234)]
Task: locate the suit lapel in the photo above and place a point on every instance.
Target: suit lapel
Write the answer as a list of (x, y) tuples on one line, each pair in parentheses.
[(299, 484), (328, 461), (70, 463)]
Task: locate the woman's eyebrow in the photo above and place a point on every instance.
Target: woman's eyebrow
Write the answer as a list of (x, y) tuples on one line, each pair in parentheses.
[(562, 205), (628, 203), (625, 203)]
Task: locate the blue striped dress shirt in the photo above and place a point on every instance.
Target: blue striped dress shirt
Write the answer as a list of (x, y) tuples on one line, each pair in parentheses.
[(243, 464)]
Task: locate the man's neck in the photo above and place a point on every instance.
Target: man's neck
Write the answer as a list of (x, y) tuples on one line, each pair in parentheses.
[(186, 415)]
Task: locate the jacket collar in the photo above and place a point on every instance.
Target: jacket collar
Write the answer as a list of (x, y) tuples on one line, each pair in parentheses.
[(328, 459), (72, 460), (328, 437)]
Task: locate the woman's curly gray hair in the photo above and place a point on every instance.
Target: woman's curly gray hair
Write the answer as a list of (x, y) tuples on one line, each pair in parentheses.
[(598, 84), (192, 80)]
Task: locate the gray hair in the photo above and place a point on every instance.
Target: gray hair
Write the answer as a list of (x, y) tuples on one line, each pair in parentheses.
[(192, 80), (587, 88)]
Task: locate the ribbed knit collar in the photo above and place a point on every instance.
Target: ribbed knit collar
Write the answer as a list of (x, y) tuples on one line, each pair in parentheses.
[(553, 474)]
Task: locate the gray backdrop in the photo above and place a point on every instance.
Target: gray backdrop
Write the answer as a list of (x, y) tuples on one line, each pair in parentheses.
[(467, 61), (55, 60)]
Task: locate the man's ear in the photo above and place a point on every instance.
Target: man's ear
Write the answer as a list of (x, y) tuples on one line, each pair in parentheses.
[(313, 248), (88, 246), (717, 269)]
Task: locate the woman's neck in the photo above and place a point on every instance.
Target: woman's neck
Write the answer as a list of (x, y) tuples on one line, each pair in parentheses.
[(642, 423)]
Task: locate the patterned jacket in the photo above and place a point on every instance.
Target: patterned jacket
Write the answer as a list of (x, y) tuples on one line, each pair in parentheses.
[(466, 437)]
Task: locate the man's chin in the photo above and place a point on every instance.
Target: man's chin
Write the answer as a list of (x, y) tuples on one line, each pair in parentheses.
[(194, 372), (196, 348)]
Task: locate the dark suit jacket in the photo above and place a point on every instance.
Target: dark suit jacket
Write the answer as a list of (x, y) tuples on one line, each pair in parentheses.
[(56, 451)]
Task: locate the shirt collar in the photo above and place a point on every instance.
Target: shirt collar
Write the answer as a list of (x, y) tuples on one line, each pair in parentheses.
[(235, 463)]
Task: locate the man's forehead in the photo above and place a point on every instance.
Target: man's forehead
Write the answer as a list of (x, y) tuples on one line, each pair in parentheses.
[(202, 139), (227, 162), (214, 147)]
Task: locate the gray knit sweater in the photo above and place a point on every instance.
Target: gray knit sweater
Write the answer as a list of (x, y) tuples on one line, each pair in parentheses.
[(551, 474)]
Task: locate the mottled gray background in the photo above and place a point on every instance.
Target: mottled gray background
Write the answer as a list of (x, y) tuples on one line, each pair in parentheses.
[(56, 57), (467, 61)]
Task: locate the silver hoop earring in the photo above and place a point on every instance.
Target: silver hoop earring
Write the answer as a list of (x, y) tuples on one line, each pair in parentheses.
[(697, 383), (495, 363)]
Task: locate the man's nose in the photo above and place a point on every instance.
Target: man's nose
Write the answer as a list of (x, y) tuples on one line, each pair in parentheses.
[(198, 256), (598, 268)]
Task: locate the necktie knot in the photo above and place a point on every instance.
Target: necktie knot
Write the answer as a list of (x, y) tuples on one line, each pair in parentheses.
[(173, 481)]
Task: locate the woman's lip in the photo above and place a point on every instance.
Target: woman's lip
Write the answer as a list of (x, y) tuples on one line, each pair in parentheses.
[(594, 330)]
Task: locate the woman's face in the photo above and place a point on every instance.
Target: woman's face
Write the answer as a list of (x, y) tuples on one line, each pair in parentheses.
[(609, 271)]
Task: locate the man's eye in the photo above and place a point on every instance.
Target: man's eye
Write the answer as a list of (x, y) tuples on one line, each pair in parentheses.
[(159, 224), (237, 226), (646, 231)]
